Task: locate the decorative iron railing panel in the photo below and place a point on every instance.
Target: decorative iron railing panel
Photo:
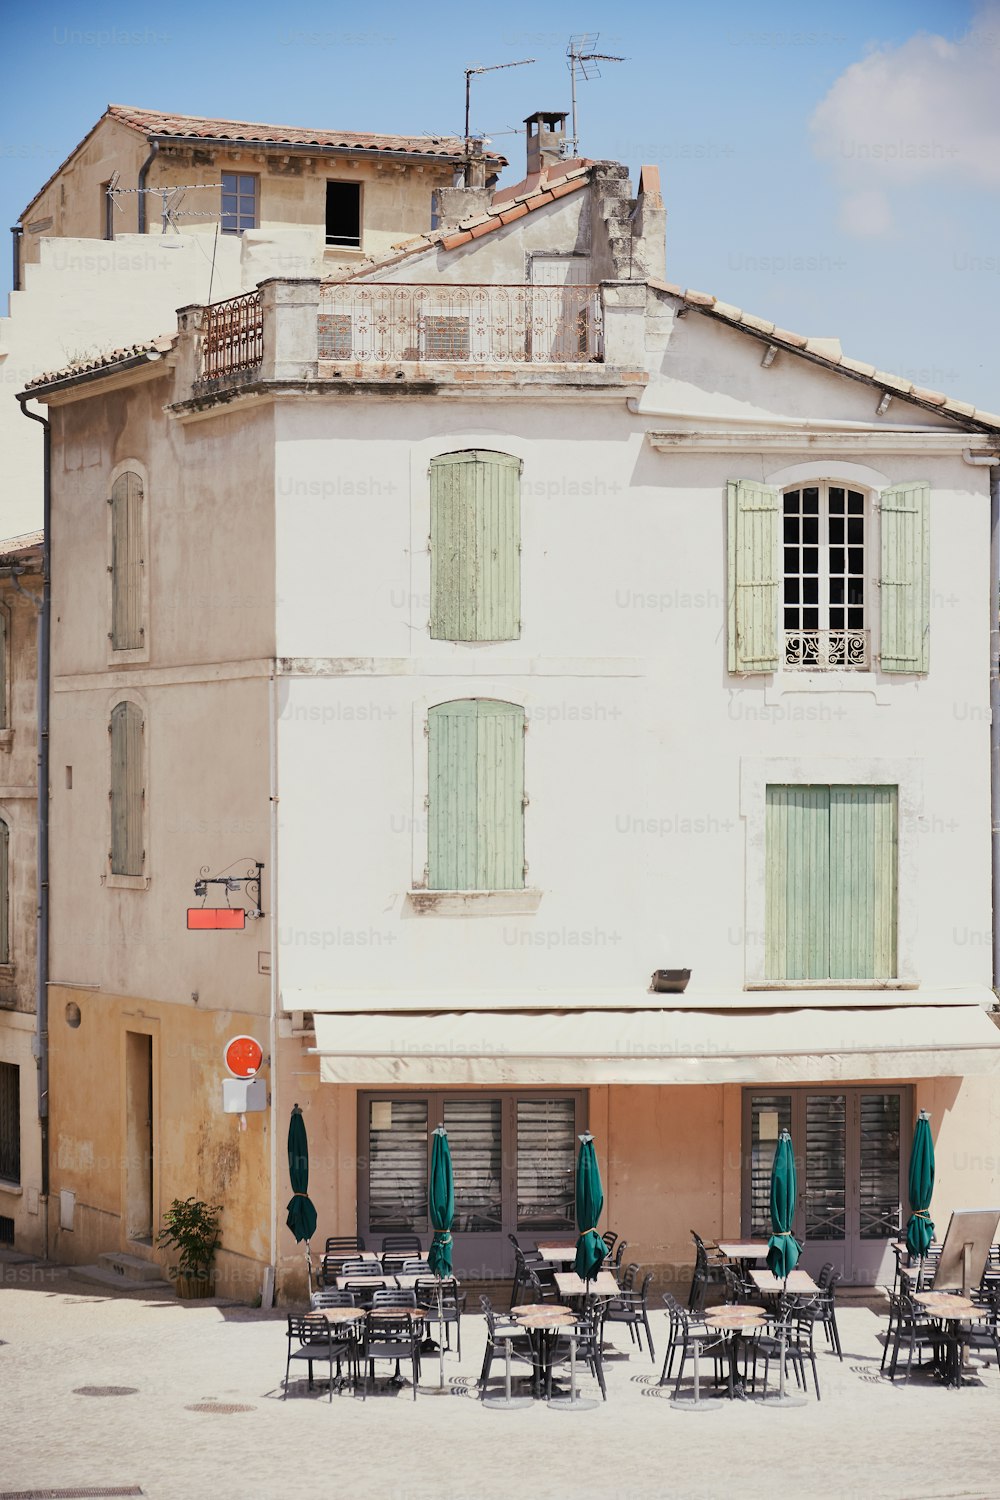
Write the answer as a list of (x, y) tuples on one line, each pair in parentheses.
[(234, 336), (392, 322), (827, 650)]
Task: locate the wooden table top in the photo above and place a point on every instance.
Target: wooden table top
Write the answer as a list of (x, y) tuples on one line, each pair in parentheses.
[(744, 1249), (798, 1281), (417, 1313), (555, 1320), (948, 1306), (341, 1314), (564, 1253), (740, 1316), (572, 1285)]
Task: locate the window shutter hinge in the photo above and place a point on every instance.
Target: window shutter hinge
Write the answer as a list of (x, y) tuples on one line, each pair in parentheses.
[(427, 728), (525, 800), (427, 803)]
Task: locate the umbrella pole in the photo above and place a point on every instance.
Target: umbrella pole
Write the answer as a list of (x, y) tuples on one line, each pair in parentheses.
[(441, 1331)]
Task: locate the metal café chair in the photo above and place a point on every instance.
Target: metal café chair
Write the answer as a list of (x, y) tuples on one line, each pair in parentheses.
[(311, 1338), (390, 1335)]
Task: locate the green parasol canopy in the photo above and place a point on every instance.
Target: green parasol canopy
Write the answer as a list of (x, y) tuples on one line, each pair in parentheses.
[(590, 1248), (441, 1202), (301, 1210), (782, 1249), (920, 1229)]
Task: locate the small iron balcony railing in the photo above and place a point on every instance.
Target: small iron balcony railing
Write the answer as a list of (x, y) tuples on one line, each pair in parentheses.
[(233, 336), (395, 322), (827, 650)]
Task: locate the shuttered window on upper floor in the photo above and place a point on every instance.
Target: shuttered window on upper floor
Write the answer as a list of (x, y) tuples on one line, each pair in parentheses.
[(127, 563), (4, 893), (831, 882), (4, 667), (127, 791), (779, 546), (476, 796), (475, 547)]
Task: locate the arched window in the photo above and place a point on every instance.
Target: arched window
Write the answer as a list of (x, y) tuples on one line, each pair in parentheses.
[(127, 563), (127, 791), (476, 796), (475, 546)]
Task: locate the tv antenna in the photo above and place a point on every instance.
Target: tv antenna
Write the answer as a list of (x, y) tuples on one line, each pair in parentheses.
[(171, 199), (471, 73), (582, 62)]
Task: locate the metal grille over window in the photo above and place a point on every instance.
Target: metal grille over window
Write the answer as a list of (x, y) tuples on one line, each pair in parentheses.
[(826, 1166), (474, 1129), (824, 547), (397, 1165), (546, 1162), (881, 1207), (10, 1122), (770, 1114)]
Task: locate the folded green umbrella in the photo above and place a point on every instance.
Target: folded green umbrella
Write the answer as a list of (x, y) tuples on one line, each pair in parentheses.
[(441, 1203), (782, 1249), (301, 1210), (590, 1248), (920, 1229)]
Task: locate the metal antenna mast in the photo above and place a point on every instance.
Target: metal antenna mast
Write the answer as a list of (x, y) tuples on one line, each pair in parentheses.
[(582, 63), (493, 68)]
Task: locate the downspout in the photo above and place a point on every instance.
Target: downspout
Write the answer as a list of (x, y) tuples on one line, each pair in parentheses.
[(41, 1042), (272, 737), (993, 463), (141, 184), (15, 236)]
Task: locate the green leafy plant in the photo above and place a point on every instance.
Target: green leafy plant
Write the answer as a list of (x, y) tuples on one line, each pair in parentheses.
[(192, 1228)]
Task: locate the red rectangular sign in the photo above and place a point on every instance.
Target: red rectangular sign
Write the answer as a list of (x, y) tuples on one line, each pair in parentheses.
[(216, 918)]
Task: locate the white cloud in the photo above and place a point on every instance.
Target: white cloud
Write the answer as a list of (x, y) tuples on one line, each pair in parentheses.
[(923, 111)]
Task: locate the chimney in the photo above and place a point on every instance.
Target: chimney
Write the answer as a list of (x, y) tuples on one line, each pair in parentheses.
[(545, 138), (456, 204)]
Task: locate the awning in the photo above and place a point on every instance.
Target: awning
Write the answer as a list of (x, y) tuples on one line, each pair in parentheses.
[(574, 1049)]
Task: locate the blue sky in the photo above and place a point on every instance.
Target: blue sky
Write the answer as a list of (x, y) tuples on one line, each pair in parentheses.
[(834, 169)]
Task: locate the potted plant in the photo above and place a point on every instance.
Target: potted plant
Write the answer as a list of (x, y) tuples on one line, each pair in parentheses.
[(192, 1228)]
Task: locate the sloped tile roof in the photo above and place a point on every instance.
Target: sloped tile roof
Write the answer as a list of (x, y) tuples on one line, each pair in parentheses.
[(19, 546), (826, 351), (505, 212), (151, 349), (153, 122)]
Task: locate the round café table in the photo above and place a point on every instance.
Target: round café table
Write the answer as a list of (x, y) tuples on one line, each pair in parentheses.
[(541, 1322), (735, 1320), (950, 1308)]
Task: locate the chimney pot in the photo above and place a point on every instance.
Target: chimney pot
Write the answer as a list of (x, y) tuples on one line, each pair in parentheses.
[(545, 138)]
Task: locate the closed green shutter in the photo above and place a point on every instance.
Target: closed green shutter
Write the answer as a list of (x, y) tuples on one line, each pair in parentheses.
[(4, 646), (905, 583), (476, 796), (830, 882), (753, 582), (126, 563), (863, 882), (797, 892), (127, 791), (475, 547), (4, 893)]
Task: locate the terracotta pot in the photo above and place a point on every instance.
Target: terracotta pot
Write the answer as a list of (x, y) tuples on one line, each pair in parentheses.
[(190, 1287)]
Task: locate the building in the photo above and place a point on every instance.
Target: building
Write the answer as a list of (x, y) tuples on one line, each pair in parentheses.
[(152, 211), (540, 626), (22, 1181)]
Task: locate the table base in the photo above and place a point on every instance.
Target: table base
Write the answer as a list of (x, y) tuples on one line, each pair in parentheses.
[(570, 1402), (507, 1403)]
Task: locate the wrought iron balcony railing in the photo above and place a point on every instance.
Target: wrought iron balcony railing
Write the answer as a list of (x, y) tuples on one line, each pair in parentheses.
[(393, 322), (233, 336), (827, 650)]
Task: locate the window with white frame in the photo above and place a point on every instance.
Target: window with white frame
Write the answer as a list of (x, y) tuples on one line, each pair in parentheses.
[(824, 559)]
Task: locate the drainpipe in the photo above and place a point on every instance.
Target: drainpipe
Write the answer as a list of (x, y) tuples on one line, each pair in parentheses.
[(992, 462), (15, 236), (141, 184), (272, 736), (41, 1043)]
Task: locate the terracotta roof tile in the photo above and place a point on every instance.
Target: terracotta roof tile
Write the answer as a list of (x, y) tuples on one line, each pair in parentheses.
[(151, 349), (826, 351)]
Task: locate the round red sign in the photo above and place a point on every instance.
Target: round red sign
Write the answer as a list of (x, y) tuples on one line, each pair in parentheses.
[(243, 1056)]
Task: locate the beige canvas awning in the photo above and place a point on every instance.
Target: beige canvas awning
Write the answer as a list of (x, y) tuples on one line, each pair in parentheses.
[(576, 1049)]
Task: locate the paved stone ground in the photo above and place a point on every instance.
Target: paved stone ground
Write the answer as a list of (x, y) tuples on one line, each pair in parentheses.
[(865, 1438)]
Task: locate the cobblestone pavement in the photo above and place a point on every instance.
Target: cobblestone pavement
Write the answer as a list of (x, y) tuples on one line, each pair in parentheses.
[(865, 1438)]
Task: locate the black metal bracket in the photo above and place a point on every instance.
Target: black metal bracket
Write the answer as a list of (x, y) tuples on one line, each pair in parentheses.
[(251, 881)]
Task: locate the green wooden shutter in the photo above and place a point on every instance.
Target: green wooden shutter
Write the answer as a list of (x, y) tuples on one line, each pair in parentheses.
[(905, 621), (4, 893), (863, 842), (126, 563), (127, 791), (4, 647), (476, 796), (797, 882), (500, 796), (475, 547), (753, 581)]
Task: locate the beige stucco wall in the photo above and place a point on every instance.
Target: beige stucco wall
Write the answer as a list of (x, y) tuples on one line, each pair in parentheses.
[(198, 1150), (72, 203)]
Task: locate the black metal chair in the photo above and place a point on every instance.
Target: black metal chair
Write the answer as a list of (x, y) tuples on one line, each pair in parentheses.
[(687, 1328), (363, 1289), (588, 1334), (502, 1334), (828, 1307), (709, 1270), (445, 1304), (610, 1239), (390, 1335), (793, 1326), (329, 1297), (632, 1308), (913, 1325), (348, 1244), (410, 1243), (311, 1338), (983, 1338), (616, 1260)]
